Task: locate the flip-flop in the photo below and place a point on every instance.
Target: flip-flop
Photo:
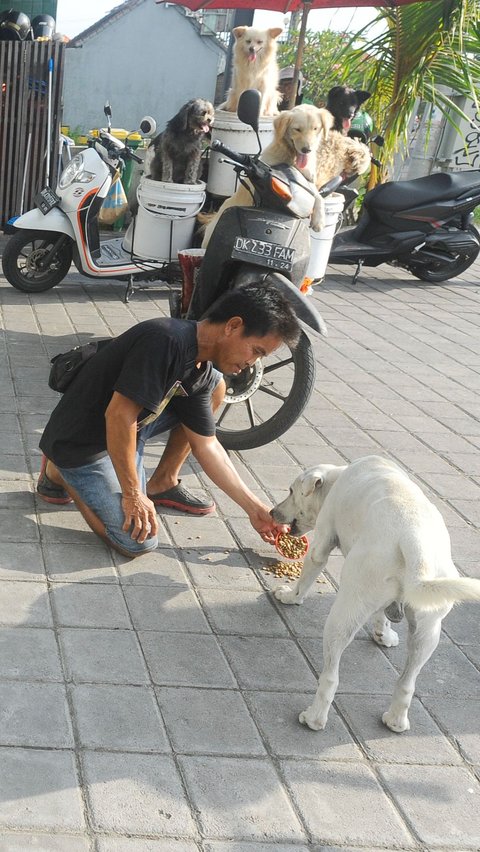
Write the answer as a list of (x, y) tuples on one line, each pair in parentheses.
[(179, 497), (48, 490)]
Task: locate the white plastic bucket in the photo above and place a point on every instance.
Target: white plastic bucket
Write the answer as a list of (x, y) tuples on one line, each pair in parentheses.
[(228, 129), (165, 219), (321, 241)]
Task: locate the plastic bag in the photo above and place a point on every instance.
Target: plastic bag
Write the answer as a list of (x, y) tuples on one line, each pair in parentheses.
[(115, 204)]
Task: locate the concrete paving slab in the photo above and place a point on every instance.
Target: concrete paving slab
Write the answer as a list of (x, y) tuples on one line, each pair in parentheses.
[(152, 705), (240, 798)]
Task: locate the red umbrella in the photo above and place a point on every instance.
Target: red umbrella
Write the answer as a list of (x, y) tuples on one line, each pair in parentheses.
[(289, 6)]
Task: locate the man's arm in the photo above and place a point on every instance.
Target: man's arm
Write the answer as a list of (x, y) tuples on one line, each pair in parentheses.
[(218, 467), (121, 425)]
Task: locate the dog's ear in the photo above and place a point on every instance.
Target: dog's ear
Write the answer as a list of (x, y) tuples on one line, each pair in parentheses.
[(281, 123), (275, 32), (184, 115), (238, 32), (312, 480), (362, 96)]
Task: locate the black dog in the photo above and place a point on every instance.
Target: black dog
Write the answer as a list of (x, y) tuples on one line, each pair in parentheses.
[(343, 102), (178, 149)]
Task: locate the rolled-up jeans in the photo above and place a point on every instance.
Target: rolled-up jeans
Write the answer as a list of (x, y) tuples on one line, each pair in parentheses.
[(97, 484)]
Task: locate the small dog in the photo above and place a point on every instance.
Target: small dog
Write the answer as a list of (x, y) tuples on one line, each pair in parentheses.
[(344, 102), (177, 150), (296, 134), (396, 548), (255, 67)]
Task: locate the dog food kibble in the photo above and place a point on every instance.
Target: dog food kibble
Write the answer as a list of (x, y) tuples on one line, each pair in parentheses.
[(289, 570), (291, 546)]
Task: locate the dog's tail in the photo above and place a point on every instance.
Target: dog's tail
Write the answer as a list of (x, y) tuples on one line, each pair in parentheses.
[(440, 592)]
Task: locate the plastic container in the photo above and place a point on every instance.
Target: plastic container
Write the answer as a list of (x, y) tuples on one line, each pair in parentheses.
[(165, 220), (321, 241), (228, 129), (292, 546)]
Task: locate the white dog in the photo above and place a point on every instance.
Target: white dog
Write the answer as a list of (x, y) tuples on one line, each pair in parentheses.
[(396, 548), (255, 67)]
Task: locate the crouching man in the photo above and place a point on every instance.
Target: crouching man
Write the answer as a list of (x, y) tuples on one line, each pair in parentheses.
[(156, 377)]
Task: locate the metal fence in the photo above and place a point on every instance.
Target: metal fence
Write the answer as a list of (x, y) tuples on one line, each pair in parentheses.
[(31, 80)]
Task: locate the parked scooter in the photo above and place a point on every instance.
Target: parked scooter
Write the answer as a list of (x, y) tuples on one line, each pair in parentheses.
[(270, 243), (424, 225), (64, 225)]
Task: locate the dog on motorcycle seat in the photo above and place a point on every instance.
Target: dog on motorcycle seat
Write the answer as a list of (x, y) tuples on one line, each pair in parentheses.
[(178, 149), (338, 153), (296, 134), (344, 102)]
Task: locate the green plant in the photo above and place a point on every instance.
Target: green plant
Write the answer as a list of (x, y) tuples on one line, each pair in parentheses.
[(321, 66), (421, 52)]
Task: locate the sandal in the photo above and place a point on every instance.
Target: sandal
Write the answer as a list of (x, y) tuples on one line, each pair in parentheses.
[(48, 490), (179, 497)]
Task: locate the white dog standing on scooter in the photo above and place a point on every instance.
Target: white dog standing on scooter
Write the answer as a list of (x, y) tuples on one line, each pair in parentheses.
[(396, 548)]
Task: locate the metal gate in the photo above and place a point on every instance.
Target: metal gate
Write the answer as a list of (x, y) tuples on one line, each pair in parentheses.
[(31, 81)]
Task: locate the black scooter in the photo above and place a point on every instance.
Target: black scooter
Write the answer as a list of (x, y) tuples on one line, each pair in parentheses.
[(423, 225), (267, 243)]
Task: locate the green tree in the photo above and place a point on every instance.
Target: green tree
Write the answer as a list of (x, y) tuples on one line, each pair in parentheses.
[(322, 62)]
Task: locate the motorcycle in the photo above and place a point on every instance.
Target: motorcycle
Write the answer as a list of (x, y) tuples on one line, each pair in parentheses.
[(423, 225), (268, 243), (64, 224)]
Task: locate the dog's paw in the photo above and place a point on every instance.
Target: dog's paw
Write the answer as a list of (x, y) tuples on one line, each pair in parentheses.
[(317, 223), (386, 637), (308, 718), (397, 722), (286, 595)]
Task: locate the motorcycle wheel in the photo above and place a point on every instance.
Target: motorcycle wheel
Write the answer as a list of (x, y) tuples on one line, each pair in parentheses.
[(440, 271), (285, 378), (21, 256)]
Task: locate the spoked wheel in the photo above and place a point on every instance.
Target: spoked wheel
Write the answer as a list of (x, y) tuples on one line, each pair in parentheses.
[(263, 401), (447, 266), (24, 256)]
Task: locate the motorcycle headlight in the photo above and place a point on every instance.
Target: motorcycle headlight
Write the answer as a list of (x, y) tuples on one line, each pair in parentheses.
[(71, 172)]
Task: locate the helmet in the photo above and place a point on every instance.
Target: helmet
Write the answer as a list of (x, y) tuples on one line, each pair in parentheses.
[(43, 27), (15, 26)]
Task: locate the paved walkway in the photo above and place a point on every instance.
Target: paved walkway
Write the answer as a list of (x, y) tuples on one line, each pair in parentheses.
[(151, 705)]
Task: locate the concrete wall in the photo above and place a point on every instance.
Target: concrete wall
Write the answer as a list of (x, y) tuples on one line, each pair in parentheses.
[(149, 61)]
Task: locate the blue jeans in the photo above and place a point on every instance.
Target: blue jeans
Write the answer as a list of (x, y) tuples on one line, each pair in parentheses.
[(98, 486)]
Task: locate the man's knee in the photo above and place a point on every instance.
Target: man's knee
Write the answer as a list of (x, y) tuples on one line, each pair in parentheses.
[(129, 546)]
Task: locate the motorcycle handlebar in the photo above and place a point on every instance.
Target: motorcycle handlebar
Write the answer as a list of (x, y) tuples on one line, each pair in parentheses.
[(331, 186), (241, 159)]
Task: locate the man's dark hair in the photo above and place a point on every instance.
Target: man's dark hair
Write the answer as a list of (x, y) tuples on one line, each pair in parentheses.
[(263, 310)]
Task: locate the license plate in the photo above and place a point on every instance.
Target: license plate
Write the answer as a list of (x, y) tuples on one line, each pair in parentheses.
[(46, 200), (265, 253)]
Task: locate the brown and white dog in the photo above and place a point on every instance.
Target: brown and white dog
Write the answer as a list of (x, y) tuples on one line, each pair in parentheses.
[(177, 150), (255, 67), (296, 136)]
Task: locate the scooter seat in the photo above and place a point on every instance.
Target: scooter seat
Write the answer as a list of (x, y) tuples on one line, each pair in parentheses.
[(405, 194)]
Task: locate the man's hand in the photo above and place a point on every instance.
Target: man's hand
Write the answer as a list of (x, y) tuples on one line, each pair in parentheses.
[(262, 521), (140, 514)]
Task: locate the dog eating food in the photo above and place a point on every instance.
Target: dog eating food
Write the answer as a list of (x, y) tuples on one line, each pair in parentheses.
[(396, 548)]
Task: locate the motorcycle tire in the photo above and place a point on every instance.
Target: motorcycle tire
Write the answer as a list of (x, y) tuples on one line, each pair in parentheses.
[(439, 272), (255, 427), (21, 254)]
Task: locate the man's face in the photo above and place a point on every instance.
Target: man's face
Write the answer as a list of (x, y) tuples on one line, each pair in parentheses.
[(236, 351), (285, 87)]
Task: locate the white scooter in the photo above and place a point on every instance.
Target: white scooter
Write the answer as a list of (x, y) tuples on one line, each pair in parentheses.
[(64, 224)]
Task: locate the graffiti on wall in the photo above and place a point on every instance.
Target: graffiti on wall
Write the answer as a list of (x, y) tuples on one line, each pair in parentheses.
[(468, 155)]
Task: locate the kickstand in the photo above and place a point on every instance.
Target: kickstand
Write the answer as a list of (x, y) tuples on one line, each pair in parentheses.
[(129, 289), (357, 271)]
